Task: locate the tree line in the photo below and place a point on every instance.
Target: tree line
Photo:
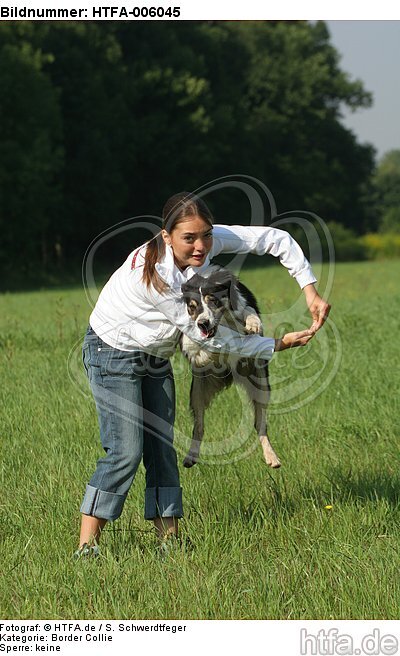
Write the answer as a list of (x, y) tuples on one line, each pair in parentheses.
[(100, 121)]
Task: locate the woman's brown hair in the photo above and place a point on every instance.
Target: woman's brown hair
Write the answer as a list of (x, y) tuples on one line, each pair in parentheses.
[(177, 208)]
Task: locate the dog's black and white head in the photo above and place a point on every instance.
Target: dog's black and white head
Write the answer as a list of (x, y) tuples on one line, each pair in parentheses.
[(208, 298)]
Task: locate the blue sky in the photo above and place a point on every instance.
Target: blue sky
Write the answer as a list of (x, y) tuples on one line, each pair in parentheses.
[(371, 52)]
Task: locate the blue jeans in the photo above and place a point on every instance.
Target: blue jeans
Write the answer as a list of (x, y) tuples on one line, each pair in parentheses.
[(135, 399)]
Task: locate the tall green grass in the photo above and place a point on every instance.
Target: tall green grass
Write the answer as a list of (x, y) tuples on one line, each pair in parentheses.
[(257, 543)]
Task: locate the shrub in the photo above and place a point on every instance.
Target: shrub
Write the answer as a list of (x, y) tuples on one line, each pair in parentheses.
[(348, 246), (381, 246)]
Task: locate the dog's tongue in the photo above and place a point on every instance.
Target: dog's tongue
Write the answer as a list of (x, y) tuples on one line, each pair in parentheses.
[(207, 333)]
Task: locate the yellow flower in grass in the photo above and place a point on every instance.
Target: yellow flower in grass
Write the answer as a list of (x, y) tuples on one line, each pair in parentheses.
[(328, 507)]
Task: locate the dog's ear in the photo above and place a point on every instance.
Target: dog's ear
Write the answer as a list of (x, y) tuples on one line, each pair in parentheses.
[(226, 280), (191, 286), (187, 291)]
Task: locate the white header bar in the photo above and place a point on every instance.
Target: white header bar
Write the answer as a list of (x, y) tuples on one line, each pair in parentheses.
[(134, 10)]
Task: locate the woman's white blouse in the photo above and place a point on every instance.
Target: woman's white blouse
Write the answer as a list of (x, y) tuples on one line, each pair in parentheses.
[(129, 316)]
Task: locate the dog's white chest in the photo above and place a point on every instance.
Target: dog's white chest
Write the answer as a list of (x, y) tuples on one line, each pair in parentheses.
[(195, 353)]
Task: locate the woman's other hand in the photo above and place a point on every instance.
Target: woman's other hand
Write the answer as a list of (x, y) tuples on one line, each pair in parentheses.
[(319, 308), (290, 340)]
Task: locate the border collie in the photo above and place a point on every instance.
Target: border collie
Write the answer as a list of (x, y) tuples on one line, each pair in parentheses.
[(220, 299)]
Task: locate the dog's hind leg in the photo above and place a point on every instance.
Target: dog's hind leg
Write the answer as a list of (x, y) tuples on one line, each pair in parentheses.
[(261, 426), (204, 388), (197, 407), (258, 389)]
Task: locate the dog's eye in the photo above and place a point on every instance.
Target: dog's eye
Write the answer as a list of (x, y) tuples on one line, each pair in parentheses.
[(192, 305)]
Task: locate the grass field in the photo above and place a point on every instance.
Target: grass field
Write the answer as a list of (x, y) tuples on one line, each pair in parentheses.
[(257, 543)]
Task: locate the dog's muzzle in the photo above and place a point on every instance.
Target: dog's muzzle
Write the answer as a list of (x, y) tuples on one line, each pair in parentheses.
[(206, 329)]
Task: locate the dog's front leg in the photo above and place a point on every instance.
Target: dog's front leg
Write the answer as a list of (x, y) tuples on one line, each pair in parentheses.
[(197, 407), (252, 322)]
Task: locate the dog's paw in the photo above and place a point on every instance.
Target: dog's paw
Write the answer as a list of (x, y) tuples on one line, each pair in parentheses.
[(269, 454), (272, 460), (190, 460), (253, 325)]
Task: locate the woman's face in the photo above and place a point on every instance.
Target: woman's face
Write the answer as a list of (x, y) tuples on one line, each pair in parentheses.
[(191, 241)]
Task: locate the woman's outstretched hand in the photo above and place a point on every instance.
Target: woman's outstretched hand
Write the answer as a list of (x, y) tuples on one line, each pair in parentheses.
[(290, 340), (319, 308)]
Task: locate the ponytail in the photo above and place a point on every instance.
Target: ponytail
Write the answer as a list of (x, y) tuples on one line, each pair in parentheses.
[(155, 250)]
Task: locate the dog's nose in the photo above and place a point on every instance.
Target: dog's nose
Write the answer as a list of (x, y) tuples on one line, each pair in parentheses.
[(204, 325)]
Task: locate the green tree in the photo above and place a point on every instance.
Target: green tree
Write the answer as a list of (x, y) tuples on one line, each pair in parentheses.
[(100, 121), (88, 69), (31, 153), (294, 94), (386, 184)]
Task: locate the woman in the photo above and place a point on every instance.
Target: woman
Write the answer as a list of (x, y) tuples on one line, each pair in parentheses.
[(134, 329)]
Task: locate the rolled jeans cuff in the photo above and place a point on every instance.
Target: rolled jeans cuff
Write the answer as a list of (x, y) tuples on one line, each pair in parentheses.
[(101, 504), (163, 502)]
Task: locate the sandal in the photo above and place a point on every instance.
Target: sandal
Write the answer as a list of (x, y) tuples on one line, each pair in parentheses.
[(87, 551)]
